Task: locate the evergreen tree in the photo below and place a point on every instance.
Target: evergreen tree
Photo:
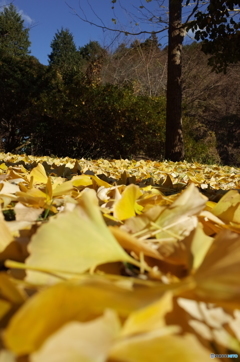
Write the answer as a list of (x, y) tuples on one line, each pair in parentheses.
[(14, 38), (64, 54), (151, 42), (92, 51)]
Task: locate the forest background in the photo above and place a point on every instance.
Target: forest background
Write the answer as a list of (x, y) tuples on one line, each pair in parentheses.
[(94, 103)]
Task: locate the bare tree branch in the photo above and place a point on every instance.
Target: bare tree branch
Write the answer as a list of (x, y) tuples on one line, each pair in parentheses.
[(103, 27)]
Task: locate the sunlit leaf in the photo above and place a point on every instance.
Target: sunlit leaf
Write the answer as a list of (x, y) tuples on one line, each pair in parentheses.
[(198, 244), (179, 219), (162, 347), (148, 318), (66, 302), (76, 341), (219, 274), (4, 308), (39, 174), (127, 206), (83, 180), (5, 234), (24, 213), (74, 242), (228, 208)]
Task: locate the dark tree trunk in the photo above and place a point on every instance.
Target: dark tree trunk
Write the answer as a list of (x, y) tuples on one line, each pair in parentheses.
[(174, 149)]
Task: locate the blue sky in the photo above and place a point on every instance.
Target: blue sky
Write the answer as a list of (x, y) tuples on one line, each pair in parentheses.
[(45, 17)]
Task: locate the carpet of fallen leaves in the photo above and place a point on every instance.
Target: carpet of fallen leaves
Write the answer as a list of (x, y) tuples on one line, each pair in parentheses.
[(118, 260)]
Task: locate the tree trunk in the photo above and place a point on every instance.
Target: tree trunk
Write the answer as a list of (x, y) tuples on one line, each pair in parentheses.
[(174, 149)]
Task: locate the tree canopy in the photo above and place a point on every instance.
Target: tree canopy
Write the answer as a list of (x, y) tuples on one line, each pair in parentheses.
[(218, 29)]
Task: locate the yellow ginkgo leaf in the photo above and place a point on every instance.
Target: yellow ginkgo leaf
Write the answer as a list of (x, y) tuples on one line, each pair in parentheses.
[(23, 213), (77, 341), (197, 245), (9, 291), (50, 309), (8, 188), (4, 308), (10, 297), (81, 181), (127, 206), (3, 167), (33, 197), (74, 242), (5, 233), (62, 189), (228, 208), (161, 346), (39, 175), (178, 220), (131, 243), (218, 275), (100, 182), (148, 318)]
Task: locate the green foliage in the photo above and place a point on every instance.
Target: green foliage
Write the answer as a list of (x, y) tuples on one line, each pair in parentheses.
[(14, 37), (199, 142), (227, 132), (218, 28), (91, 51), (20, 80), (121, 124), (101, 121), (64, 55)]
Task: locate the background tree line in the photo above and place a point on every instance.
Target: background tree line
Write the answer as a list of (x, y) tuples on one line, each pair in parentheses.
[(90, 102)]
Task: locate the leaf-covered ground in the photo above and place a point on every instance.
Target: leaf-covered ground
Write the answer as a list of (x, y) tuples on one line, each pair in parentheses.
[(118, 261)]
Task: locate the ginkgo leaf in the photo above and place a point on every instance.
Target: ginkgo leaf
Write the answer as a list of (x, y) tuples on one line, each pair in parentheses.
[(100, 182), (179, 219), (10, 297), (219, 274), (148, 318), (77, 341), (131, 243), (162, 347), (83, 180), (23, 213), (9, 248), (228, 208), (4, 308), (167, 182), (62, 189), (215, 317), (9, 291), (8, 188), (127, 206), (66, 302), (3, 166), (39, 174), (33, 197), (74, 242), (5, 234), (198, 244), (142, 222)]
